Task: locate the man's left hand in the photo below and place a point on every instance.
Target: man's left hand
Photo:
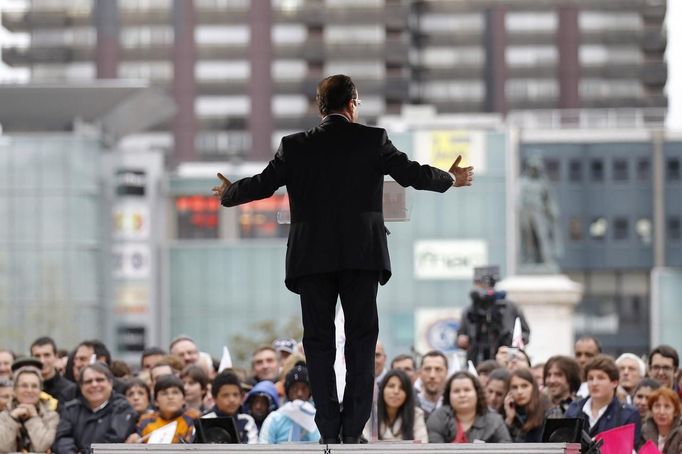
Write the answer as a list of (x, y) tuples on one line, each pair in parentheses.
[(464, 176), (219, 191)]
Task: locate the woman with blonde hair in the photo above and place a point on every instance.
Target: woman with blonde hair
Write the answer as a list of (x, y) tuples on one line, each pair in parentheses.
[(27, 424)]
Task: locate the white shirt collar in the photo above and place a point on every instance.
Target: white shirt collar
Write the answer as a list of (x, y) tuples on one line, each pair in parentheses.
[(587, 409), (337, 114)]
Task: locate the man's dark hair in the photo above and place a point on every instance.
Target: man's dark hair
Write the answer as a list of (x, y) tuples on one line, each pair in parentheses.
[(225, 378), (98, 348), (590, 338), (435, 354), (151, 351), (334, 92), (666, 351), (97, 367), (487, 366), (168, 381), (180, 338), (500, 374), (568, 366), (136, 382), (605, 364), (403, 357), (42, 341), (196, 374), (646, 383)]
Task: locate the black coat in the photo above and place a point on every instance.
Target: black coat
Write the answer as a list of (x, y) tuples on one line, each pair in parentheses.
[(61, 389), (334, 175), (79, 427), (617, 414)]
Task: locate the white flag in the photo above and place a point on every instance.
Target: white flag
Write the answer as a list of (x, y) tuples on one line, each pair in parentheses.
[(93, 358), (163, 435), (340, 361), (225, 360), (517, 335), (472, 369)]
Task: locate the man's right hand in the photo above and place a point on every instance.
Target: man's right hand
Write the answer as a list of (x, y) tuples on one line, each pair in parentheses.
[(219, 191), (464, 176)]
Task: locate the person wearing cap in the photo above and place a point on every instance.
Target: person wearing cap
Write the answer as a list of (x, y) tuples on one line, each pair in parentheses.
[(28, 424), (295, 420), (261, 401), (284, 348)]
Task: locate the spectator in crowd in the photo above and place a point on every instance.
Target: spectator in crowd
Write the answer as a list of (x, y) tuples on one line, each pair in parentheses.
[(168, 365), (464, 416), (5, 393), (537, 371), (512, 358), (261, 401), (44, 349), (28, 425), (586, 348), (98, 415), (138, 396), (632, 370), (169, 397), (640, 399), (84, 354), (284, 349), (185, 348), (663, 427), (407, 364), (62, 359), (663, 364), (295, 420), (524, 408), (264, 365), (151, 356), (6, 359), (484, 369), (289, 364), (398, 417), (196, 386), (561, 375), (121, 370), (602, 410), (433, 372), (379, 362), (497, 388), (228, 395)]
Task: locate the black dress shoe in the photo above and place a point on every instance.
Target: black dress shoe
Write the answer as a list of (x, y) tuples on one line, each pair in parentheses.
[(330, 441), (354, 440)]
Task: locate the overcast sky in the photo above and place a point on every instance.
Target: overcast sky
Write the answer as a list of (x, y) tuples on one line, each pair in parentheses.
[(674, 86)]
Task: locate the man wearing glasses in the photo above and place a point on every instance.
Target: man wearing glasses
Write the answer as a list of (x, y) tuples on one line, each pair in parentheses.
[(663, 364), (334, 174)]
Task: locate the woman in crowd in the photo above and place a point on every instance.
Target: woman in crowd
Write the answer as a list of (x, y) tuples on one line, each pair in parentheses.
[(195, 379), (138, 396), (464, 416), (27, 425), (398, 417), (663, 427), (524, 408), (641, 396)]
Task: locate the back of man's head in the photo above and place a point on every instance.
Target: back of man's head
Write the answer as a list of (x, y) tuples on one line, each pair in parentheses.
[(334, 93)]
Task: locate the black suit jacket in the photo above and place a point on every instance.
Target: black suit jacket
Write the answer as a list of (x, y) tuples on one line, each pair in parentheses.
[(334, 175)]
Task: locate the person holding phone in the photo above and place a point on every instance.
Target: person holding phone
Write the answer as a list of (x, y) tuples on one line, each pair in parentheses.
[(524, 408)]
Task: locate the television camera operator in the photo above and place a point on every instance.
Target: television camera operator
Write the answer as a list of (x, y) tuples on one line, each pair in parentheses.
[(488, 323)]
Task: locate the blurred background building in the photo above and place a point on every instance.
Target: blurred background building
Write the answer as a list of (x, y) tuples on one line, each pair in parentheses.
[(579, 83)]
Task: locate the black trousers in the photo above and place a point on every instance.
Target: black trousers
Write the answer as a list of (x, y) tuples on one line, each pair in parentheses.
[(319, 293)]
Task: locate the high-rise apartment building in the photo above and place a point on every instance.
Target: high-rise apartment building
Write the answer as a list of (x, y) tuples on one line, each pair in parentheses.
[(244, 72)]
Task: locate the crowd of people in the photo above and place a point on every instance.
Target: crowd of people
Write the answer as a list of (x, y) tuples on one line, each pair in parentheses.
[(62, 402)]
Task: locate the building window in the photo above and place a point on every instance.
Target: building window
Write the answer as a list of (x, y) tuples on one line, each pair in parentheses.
[(197, 217), (598, 228), (597, 170), (620, 228), (553, 168), (620, 170), (258, 219), (575, 170), (673, 169), (575, 228), (643, 169), (674, 228)]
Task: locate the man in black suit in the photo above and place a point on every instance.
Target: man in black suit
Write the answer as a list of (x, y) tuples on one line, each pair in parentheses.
[(334, 174)]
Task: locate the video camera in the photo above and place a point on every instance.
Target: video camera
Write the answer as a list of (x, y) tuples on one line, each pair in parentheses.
[(485, 314)]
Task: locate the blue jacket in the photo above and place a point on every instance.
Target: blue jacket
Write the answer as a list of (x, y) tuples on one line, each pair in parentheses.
[(617, 414), (279, 428)]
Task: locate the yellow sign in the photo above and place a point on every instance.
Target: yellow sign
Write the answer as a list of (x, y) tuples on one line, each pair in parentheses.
[(447, 145)]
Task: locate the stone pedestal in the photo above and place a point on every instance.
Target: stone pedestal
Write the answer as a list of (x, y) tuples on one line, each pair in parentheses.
[(548, 302)]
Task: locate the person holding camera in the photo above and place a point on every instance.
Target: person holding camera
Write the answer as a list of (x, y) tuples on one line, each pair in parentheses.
[(27, 425), (488, 323)]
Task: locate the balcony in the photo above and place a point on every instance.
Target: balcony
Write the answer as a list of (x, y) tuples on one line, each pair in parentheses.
[(25, 56), (26, 21), (654, 73)]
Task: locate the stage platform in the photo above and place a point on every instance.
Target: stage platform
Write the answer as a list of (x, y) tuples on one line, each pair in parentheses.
[(375, 448)]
